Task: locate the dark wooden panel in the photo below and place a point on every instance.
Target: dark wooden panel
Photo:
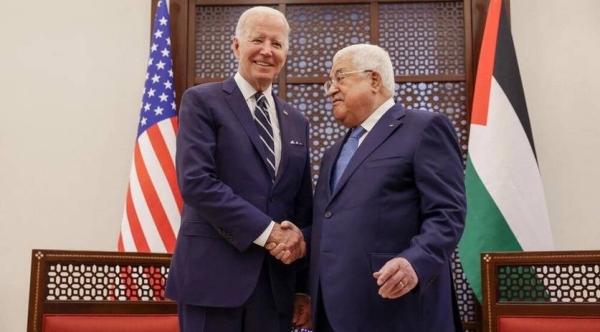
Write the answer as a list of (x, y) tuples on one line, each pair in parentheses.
[(433, 45), (96, 282)]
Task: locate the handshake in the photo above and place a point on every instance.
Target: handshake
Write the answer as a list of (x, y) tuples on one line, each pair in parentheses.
[(286, 242)]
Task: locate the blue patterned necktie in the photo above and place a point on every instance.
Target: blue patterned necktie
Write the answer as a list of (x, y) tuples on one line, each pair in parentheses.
[(347, 152), (265, 130)]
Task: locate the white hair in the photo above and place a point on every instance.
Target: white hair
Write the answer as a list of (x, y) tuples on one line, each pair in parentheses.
[(370, 57), (258, 11)]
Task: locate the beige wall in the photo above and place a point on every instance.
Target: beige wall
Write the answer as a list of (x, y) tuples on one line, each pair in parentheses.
[(557, 45), (71, 76), (71, 79)]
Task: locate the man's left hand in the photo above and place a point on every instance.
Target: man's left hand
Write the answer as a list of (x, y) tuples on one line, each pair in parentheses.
[(396, 278)]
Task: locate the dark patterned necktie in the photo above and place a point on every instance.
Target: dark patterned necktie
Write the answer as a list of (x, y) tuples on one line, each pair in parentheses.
[(347, 152), (265, 130)]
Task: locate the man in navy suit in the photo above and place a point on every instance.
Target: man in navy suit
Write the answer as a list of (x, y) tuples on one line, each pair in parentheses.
[(385, 226), (241, 191)]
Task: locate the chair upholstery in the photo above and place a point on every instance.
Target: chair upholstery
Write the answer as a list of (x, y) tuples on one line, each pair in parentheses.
[(110, 322), (548, 324)]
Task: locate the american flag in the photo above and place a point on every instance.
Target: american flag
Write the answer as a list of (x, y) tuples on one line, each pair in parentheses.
[(153, 204)]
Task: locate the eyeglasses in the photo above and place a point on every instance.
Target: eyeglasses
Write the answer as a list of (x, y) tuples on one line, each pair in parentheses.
[(339, 78)]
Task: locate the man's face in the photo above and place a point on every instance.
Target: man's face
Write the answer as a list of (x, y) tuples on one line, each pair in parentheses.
[(353, 97), (262, 51)]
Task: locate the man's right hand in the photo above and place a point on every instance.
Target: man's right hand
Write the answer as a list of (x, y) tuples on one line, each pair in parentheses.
[(286, 242)]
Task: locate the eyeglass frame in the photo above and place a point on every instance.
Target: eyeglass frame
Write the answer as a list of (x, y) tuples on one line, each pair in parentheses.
[(340, 76)]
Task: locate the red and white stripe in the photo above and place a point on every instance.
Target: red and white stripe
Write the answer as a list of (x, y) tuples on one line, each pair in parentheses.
[(153, 204)]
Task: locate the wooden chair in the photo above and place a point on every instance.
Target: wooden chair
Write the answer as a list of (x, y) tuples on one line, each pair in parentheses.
[(91, 291), (554, 291)]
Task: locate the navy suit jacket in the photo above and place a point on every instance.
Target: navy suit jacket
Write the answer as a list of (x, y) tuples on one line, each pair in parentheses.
[(229, 198), (401, 195)]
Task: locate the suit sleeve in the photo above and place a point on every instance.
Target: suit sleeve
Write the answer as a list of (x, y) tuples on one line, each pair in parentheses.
[(198, 178), (439, 178)]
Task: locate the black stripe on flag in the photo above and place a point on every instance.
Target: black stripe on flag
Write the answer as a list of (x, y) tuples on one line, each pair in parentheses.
[(506, 73)]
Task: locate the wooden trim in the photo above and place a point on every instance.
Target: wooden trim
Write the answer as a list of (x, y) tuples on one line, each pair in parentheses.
[(469, 68), (321, 80), (152, 14), (34, 317), (282, 88), (478, 15), (399, 79), (298, 2), (178, 11), (191, 50), (482, 6), (39, 280), (374, 23), (492, 308)]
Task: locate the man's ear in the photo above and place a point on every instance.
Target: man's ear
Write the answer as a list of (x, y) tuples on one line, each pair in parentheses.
[(236, 47), (376, 81)]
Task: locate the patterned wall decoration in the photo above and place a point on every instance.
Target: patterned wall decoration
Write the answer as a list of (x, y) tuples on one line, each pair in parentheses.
[(425, 40), (215, 28), (318, 31), (448, 98), (325, 130), (465, 297)]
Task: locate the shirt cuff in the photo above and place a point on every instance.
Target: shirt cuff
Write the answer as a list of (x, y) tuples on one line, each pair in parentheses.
[(262, 239)]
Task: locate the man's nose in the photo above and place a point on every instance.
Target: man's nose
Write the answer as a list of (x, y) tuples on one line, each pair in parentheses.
[(266, 49), (332, 89)]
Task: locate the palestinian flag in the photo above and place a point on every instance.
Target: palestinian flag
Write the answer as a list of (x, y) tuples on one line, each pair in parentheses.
[(505, 198)]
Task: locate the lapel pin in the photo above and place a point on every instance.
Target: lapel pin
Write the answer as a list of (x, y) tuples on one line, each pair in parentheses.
[(285, 112)]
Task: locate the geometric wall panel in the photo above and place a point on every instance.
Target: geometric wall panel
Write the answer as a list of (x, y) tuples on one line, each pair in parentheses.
[(423, 38), (318, 31), (215, 29), (448, 98), (465, 297), (325, 130)]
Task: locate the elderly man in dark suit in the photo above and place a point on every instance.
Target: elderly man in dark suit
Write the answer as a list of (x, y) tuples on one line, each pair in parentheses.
[(243, 169), (389, 207)]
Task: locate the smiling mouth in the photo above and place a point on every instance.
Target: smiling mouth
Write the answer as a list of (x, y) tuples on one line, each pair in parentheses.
[(263, 64)]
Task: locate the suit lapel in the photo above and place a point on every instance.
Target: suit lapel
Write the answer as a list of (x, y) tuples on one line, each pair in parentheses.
[(284, 131), (239, 107), (389, 122)]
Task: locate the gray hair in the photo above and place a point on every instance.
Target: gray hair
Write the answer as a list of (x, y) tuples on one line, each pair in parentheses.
[(370, 57), (258, 11)]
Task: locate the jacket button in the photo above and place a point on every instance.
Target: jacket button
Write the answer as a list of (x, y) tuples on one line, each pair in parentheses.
[(272, 199), (328, 214)]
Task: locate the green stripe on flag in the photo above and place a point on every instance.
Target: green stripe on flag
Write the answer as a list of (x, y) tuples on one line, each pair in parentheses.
[(485, 230)]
